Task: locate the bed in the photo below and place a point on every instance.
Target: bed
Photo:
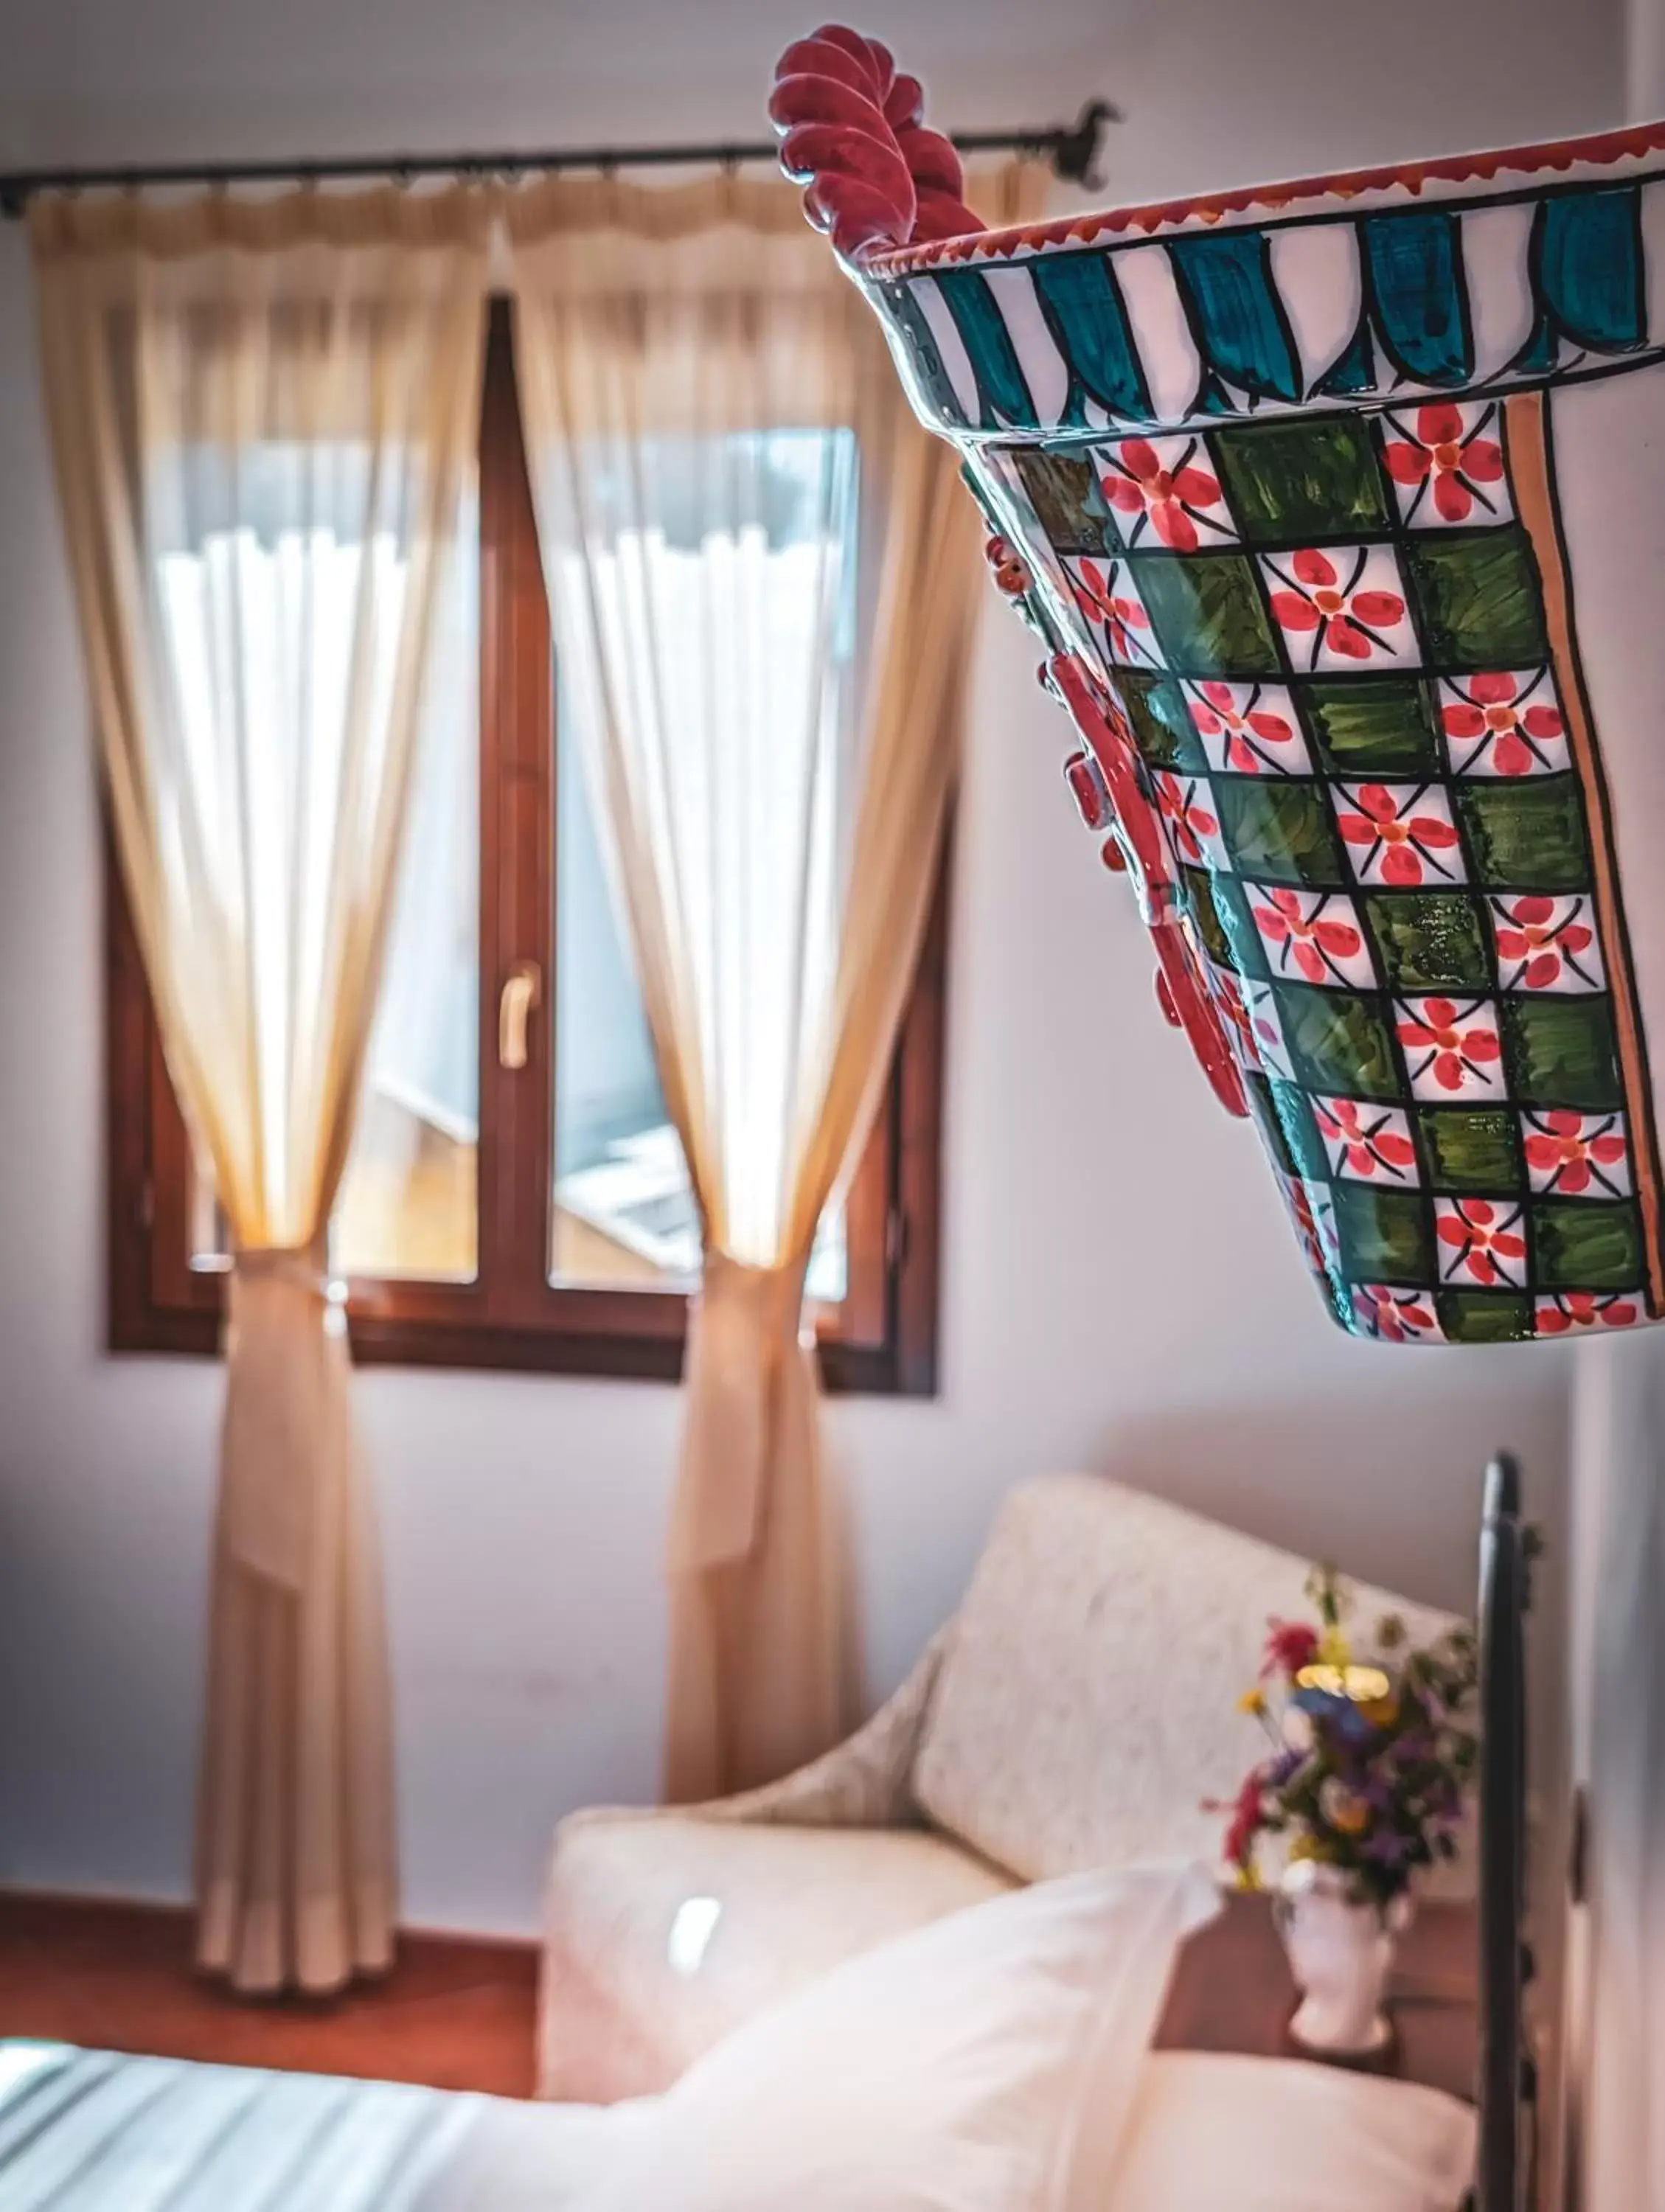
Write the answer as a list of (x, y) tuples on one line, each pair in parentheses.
[(91, 2131)]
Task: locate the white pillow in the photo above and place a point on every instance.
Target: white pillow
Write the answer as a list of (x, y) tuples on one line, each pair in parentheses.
[(987, 2063), (1218, 2134)]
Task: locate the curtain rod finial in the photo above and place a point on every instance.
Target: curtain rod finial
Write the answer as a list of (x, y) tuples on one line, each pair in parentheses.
[(1075, 152)]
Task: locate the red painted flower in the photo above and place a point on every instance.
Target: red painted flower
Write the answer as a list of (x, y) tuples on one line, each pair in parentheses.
[(1229, 998), (1255, 738), (1529, 931), (1367, 1137), (1568, 1157), (1314, 941), (1137, 483), (1316, 599), (1400, 845), (1306, 1227), (1396, 1319), (1442, 457), (1452, 1046), (1099, 599), (1180, 799), (1585, 1310), (1490, 719), (1482, 1238)]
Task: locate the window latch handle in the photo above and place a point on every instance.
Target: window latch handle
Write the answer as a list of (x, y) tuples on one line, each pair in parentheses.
[(523, 988)]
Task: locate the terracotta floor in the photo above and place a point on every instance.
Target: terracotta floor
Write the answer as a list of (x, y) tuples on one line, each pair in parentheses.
[(454, 2012)]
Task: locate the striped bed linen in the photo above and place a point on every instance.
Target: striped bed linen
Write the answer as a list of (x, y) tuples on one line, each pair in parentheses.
[(91, 2131)]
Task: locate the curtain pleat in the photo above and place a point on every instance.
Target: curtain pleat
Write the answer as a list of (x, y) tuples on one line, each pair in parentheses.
[(736, 508), (262, 415)]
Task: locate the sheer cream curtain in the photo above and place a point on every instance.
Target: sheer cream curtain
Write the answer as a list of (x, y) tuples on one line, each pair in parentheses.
[(734, 497), (262, 412)]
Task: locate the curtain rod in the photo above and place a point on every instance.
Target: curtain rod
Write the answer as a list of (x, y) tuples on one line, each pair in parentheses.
[(1073, 149)]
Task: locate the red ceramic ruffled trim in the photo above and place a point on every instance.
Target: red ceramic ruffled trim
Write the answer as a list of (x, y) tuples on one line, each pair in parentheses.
[(850, 129), (1600, 149)]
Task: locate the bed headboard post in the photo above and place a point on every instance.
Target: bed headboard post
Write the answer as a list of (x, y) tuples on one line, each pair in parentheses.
[(1505, 2086)]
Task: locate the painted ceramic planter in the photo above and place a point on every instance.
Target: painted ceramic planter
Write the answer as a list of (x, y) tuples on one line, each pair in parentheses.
[(1339, 507)]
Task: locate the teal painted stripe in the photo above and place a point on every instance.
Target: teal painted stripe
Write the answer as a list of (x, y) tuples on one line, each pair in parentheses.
[(1083, 304), (933, 378), (1006, 403), (1415, 267), (1236, 313), (1588, 264)]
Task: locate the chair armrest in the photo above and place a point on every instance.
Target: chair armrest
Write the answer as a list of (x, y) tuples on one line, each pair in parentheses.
[(865, 1781)]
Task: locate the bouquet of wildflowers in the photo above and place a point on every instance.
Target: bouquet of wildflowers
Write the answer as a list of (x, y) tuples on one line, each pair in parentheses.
[(1371, 1751)]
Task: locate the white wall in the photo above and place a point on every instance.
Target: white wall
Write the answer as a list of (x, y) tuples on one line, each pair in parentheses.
[(1122, 1290)]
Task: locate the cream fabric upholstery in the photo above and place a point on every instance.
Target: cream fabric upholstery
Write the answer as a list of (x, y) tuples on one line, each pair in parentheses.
[(671, 1930), (1074, 1713), (1085, 1709)]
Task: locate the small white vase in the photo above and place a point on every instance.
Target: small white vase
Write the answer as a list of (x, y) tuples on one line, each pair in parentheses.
[(1340, 1952)]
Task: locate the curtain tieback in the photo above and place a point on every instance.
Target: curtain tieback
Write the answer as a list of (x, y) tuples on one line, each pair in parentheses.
[(744, 1334), (286, 1365)]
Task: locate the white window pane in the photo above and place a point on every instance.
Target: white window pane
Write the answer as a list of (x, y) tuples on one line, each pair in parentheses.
[(623, 1211), (408, 1204)]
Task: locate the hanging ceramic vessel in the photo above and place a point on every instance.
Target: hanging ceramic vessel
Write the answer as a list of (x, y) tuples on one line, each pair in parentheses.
[(1340, 508)]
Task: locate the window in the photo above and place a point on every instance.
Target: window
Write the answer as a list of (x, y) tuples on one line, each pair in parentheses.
[(516, 1196)]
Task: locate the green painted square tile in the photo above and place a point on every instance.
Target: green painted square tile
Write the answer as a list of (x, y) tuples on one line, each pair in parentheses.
[(1278, 830), (1525, 833), (1162, 723), (1232, 906), (1562, 1051), (1340, 1043), (1206, 915), (1063, 489), (1484, 1316), (1385, 1236), (1583, 1246), (1264, 1107), (1208, 612), (1372, 725), (1291, 482), (1429, 940), (1476, 596), (1470, 1149), (1305, 1145)]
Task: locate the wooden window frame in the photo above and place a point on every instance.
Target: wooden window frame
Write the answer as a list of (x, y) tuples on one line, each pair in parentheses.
[(883, 1340)]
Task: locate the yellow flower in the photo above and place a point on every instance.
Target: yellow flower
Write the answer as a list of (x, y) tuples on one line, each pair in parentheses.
[(1252, 1702), (1333, 1648), (1303, 1847), (1381, 1712), (1248, 1877)]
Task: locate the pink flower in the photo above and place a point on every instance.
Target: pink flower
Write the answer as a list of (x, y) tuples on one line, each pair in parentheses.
[(1488, 716), (1189, 820), (1529, 933), (1315, 943), (1480, 1238), (1252, 735), (1439, 454), (1366, 1145), (1585, 1310), (1290, 1645), (1138, 483), (1397, 1320), (1454, 1045), (1346, 620), (1405, 841), (1559, 1149), (1097, 597)]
